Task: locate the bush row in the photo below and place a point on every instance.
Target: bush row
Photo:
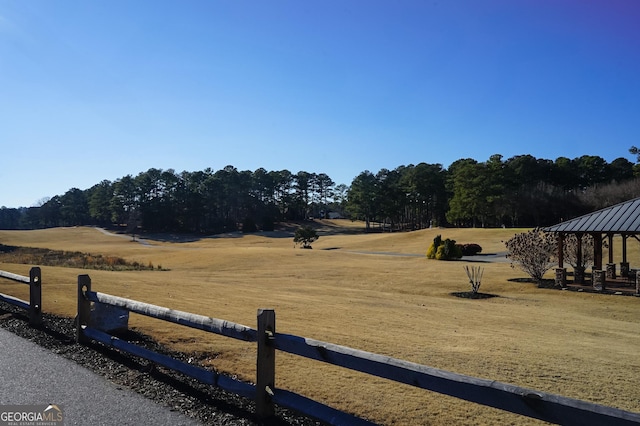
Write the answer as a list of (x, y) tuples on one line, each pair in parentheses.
[(448, 249), (69, 259)]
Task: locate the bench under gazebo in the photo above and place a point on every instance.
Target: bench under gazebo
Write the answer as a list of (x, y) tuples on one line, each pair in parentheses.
[(621, 219)]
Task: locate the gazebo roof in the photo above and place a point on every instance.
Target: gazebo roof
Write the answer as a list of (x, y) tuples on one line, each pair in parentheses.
[(623, 218)]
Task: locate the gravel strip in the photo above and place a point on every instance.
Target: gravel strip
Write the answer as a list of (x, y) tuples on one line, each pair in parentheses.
[(204, 403)]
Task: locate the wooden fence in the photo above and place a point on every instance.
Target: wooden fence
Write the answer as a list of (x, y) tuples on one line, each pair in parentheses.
[(34, 305), (540, 405)]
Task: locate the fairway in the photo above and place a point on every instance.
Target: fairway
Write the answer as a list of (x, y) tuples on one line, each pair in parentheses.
[(374, 292)]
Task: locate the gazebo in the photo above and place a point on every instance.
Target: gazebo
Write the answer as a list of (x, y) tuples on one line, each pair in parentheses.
[(621, 219)]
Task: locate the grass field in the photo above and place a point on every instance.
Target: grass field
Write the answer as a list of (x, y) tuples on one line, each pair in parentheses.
[(579, 345)]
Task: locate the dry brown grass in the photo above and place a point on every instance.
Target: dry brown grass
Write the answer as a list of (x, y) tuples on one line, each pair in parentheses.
[(575, 344)]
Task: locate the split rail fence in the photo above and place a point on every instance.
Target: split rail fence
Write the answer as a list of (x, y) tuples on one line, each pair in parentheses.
[(536, 404), (540, 405), (34, 305)]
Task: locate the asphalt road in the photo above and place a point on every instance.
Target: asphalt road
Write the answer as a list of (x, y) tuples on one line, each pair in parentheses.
[(29, 374), (484, 258)]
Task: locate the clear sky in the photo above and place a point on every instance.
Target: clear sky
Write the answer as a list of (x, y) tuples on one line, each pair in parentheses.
[(94, 90)]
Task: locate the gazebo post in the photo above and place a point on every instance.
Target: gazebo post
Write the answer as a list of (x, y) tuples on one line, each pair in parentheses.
[(624, 265), (561, 271), (560, 250), (597, 250), (611, 267), (578, 272), (597, 277)]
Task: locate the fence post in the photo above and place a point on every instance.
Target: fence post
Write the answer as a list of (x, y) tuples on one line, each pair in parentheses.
[(35, 296), (84, 307), (266, 364)]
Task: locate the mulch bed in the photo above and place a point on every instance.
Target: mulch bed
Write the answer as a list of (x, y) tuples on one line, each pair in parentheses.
[(472, 295), (206, 404)]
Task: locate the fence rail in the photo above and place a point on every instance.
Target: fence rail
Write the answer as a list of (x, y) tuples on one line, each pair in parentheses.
[(34, 305), (527, 402), (88, 329), (200, 322)]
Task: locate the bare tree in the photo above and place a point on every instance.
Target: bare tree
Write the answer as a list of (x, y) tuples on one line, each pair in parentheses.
[(534, 252), (578, 252), (475, 277), (571, 250)]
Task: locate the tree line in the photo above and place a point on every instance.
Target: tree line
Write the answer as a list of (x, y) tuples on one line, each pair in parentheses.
[(522, 191), (200, 202)]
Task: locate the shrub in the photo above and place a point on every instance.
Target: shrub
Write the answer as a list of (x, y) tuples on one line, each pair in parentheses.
[(444, 250), (534, 252), (68, 259), (451, 250), (470, 249), (433, 248), (305, 235), (448, 250)]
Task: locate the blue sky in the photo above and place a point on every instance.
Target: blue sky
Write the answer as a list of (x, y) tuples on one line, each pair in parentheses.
[(94, 90)]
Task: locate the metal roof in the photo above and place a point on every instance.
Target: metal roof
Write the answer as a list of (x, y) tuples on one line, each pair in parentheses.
[(623, 218)]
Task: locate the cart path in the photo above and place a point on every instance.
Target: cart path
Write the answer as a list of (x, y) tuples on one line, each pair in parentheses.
[(33, 375), (111, 234), (483, 258)]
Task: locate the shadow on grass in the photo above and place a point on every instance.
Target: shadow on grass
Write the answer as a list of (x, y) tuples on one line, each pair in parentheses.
[(611, 288), (472, 295), (283, 230)]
